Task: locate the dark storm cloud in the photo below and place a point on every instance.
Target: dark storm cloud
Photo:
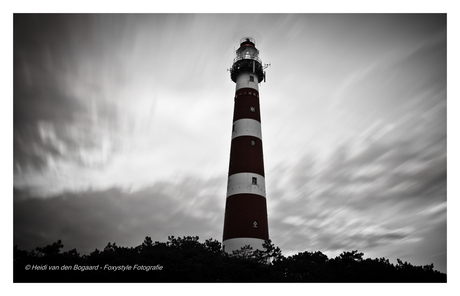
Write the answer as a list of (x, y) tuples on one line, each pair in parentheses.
[(91, 219), (398, 164), (42, 52), (43, 49), (55, 89)]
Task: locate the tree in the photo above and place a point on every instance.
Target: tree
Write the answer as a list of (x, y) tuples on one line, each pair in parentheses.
[(213, 246), (50, 250), (305, 267), (147, 243), (351, 257), (245, 252)]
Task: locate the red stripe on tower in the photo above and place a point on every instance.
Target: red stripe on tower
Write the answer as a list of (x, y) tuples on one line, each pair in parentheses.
[(246, 221)]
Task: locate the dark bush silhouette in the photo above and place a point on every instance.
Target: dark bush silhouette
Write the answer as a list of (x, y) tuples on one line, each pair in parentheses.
[(187, 260)]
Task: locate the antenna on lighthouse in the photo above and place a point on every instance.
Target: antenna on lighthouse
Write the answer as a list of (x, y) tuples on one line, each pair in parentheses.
[(265, 67)]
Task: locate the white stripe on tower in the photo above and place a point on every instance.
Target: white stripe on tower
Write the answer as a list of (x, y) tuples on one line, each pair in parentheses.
[(244, 81), (243, 183), (235, 244), (247, 127)]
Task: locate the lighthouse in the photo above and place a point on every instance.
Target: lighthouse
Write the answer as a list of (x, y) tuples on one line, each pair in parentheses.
[(246, 221)]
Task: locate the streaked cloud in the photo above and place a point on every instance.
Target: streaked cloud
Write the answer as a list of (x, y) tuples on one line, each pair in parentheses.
[(90, 219)]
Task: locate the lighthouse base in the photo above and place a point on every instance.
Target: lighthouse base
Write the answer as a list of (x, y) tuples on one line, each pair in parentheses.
[(235, 244)]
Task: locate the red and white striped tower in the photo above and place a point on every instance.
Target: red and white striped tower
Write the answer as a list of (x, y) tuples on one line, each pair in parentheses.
[(246, 221)]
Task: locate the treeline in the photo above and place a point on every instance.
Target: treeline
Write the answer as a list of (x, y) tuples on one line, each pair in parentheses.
[(187, 260)]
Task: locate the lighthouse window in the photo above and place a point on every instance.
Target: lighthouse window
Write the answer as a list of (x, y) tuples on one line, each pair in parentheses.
[(253, 143), (253, 109), (255, 224), (254, 181), (251, 78)]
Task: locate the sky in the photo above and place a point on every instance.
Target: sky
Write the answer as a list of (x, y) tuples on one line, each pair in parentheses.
[(122, 130)]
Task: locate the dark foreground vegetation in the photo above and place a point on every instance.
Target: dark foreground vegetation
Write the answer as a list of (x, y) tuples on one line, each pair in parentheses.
[(187, 260)]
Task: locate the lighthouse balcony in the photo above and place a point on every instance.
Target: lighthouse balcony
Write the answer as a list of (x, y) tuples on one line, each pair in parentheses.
[(242, 65), (247, 57)]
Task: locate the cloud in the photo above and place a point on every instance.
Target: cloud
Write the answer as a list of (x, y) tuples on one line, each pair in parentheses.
[(95, 93), (91, 219), (46, 54), (382, 189), (407, 80)]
